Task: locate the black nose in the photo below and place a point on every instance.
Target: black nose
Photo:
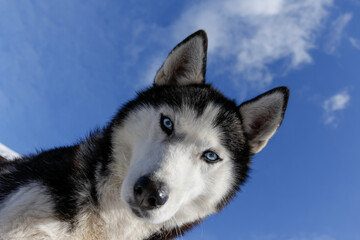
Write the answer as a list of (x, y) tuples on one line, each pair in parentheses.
[(149, 194)]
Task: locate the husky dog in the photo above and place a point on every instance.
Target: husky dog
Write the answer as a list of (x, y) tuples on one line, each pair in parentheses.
[(175, 154)]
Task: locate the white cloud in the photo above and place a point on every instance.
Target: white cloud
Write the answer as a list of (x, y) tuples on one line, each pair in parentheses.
[(255, 34), (148, 75), (337, 32), (334, 104), (355, 43)]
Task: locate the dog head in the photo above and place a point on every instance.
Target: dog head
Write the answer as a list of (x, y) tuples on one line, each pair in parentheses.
[(184, 149)]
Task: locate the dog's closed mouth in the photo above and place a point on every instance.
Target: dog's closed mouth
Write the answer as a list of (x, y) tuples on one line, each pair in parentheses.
[(136, 212), (139, 212)]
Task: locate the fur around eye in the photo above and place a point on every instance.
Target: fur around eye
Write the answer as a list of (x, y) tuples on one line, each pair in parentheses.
[(210, 157), (166, 124)]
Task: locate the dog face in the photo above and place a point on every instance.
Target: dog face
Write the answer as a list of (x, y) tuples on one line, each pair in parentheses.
[(178, 161), (184, 147)]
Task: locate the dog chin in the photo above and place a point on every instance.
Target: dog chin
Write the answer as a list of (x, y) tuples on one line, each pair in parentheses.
[(150, 216)]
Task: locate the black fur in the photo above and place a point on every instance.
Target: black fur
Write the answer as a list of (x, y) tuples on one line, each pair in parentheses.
[(2, 160), (67, 171), (64, 170), (179, 71), (53, 169), (285, 91), (198, 96)]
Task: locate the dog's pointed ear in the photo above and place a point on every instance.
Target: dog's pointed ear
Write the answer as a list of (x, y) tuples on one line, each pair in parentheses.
[(186, 63), (262, 116)]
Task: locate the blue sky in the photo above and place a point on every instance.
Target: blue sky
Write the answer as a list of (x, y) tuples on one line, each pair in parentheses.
[(67, 66)]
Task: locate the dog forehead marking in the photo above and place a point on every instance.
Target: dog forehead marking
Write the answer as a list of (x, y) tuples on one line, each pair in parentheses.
[(200, 129)]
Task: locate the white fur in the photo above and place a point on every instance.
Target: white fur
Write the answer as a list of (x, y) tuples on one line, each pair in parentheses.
[(194, 192), (141, 147), (28, 214), (8, 153)]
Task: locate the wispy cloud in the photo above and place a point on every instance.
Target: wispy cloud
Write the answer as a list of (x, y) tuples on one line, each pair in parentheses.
[(255, 34), (355, 43), (335, 104), (337, 32)]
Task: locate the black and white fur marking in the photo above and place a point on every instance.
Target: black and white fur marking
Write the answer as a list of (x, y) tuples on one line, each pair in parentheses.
[(175, 154)]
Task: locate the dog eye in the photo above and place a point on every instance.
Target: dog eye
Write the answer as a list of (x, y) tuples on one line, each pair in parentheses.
[(166, 124), (210, 157)]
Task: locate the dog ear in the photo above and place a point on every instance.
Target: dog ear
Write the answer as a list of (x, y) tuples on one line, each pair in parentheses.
[(186, 63), (262, 116)]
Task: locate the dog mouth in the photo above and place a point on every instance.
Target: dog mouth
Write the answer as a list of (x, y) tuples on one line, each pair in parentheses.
[(138, 211)]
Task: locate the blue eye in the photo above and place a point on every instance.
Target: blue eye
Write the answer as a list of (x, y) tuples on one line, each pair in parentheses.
[(166, 124), (211, 157)]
